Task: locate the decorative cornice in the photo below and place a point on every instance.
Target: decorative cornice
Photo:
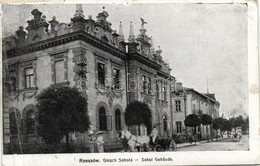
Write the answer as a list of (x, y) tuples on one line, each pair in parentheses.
[(78, 35), (58, 52), (144, 60), (163, 74)]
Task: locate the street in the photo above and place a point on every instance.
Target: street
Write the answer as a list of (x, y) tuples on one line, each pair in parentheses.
[(224, 144)]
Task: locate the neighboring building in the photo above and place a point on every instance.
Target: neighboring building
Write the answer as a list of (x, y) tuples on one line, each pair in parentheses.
[(187, 101), (89, 55)]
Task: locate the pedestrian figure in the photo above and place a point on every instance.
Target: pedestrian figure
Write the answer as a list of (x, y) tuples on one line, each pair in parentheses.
[(154, 133), (92, 143), (100, 142), (199, 136), (190, 139), (123, 141), (125, 144)]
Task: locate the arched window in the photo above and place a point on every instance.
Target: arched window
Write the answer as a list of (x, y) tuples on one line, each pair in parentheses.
[(118, 119), (164, 123), (30, 122), (102, 119), (13, 123)]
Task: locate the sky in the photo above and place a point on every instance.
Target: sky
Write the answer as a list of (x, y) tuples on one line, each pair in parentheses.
[(200, 41)]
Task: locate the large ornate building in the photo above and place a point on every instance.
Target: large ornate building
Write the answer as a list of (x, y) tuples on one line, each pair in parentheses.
[(89, 55)]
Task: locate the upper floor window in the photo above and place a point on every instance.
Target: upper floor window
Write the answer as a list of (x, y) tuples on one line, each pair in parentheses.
[(101, 73), (194, 108), (59, 67), (59, 71), (178, 105), (164, 92), (116, 79), (157, 91), (13, 80), (29, 82), (143, 83), (149, 85), (178, 126)]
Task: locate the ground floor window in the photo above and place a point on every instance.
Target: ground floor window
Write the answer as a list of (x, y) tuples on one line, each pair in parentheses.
[(118, 119), (102, 119), (30, 122), (165, 123), (179, 127), (13, 123)]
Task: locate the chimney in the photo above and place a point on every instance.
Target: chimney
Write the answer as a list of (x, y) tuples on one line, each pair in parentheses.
[(179, 86)]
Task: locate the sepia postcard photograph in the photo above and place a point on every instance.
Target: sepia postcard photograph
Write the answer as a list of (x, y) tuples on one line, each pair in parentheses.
[(129, 83)]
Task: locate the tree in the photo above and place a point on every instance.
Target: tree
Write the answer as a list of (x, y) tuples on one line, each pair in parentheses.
[(217, 124), (206, 120), (237, 122), (245, 125), (226, 126), (138, 113), (193, 121), (61, 110)]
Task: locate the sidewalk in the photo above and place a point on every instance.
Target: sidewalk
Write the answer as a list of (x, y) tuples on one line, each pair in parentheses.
[(181, 145)]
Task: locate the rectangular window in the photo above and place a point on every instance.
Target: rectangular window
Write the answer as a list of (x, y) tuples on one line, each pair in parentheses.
[(165, 124), (12, 76), (143, 83), (160, 90), (157, 91), (29, 82), (178, 127), (59, 71), (101, 73), (164, 92), (116, 78), (149, 85), (178, 105)]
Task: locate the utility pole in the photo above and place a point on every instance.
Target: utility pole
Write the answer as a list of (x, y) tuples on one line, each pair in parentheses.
[(185, 112)]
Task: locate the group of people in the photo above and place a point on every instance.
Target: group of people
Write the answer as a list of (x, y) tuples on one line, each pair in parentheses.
[(97, 142), (237, 135), (153, 135)]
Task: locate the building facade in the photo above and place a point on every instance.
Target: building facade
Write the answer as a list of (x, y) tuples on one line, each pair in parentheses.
[(188, 101), (87, 54)]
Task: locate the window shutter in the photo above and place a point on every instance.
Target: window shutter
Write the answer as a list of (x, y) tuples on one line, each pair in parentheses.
[(109, 122)]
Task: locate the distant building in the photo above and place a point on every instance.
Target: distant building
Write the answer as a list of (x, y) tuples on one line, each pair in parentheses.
[(189, 101), (89, 55)]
